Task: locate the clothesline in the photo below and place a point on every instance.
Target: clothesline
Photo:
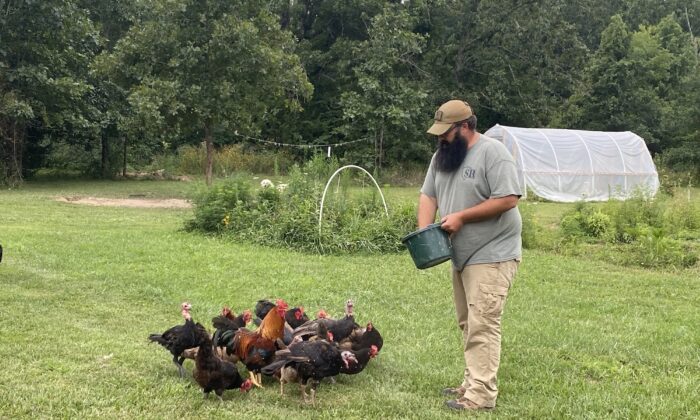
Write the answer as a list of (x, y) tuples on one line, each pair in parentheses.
[(301, 146)]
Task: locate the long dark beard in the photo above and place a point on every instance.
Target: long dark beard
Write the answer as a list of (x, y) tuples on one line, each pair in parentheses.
[(450, 156)]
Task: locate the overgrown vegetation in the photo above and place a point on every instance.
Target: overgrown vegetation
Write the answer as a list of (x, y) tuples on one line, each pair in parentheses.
[(641, 231), (287, 215), (229, 159)]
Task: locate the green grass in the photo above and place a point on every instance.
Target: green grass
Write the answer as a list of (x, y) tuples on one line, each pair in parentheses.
[(83, 286)]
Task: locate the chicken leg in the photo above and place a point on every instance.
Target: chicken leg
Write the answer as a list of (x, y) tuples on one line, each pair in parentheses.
[(180, 369), (254, 379)]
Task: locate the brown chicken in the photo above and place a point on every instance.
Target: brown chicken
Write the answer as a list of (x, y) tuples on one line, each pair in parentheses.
[(211, 372), (256, 349)]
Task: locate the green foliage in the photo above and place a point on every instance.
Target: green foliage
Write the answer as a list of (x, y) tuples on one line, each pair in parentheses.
[(385, 97), (215, 207), (535, 235), (288, 217), (229, 159), (639, 231)]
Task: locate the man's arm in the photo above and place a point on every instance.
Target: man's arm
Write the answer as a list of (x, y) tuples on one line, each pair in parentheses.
[(427, 209), (482, 211)]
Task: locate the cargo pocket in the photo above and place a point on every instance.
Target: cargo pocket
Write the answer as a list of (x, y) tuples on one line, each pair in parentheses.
[(491, 299)]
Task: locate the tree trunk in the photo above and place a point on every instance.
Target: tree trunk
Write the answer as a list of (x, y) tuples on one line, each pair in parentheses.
[(12, 148), (124, 162), (381, 147), (104, 162), (210, 153)]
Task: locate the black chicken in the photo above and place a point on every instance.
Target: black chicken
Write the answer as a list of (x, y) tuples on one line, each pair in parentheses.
[(211, 372), (261, 309), (308, 362), (296, 317), (363, 338), (179, 338), (339, 329), (226, 326), (363, 357)]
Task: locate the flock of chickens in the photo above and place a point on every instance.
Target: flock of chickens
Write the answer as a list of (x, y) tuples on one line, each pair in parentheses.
[(286, 345)]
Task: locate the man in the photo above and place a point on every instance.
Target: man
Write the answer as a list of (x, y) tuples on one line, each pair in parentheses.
[(472, 180)]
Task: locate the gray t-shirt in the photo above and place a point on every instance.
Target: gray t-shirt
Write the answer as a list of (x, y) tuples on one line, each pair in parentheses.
[(488, 171)]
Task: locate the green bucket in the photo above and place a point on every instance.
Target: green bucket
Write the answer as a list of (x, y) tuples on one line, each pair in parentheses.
[(429, 246)]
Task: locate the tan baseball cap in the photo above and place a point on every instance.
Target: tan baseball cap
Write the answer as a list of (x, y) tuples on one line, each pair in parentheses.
[(449, 113)]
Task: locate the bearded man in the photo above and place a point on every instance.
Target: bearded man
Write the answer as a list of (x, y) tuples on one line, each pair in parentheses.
[(473, 182)]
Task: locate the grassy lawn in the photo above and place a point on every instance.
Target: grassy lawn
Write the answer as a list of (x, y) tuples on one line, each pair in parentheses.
[(83, 287)]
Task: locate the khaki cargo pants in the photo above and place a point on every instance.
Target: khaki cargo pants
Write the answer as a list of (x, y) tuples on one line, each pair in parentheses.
[(480, 292)]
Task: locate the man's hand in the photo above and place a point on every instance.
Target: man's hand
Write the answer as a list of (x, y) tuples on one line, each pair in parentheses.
[(452, 223)]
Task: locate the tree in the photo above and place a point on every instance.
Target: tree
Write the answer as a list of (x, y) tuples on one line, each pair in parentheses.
[(386, 98), (44, 54), (640, 81), (199, 65)]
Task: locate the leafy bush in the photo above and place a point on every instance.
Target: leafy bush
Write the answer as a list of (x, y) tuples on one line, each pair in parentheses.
[(639, 231), (289, 217)]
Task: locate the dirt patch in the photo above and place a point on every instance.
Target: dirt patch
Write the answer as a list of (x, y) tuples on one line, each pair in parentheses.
[(169, 203)]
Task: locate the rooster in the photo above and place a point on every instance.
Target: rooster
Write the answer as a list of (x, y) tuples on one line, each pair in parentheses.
[(308, 362), (340, 329), (178, 338), (256, 349), (211, 372)]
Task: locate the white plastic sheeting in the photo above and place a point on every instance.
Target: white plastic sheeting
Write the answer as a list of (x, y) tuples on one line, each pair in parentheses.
[(574, 165)]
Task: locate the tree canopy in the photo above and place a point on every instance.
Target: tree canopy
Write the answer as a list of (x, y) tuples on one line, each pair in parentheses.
[(97, 86)]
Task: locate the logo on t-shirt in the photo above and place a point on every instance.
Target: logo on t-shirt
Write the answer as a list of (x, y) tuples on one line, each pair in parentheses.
[(468, 172)]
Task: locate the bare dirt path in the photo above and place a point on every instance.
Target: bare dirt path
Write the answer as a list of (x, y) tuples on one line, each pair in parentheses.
[(170, 203)]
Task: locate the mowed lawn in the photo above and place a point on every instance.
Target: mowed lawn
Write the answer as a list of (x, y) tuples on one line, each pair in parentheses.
[(83, 286)]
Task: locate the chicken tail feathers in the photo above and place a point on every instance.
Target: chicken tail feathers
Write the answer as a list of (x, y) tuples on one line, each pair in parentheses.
[(273, 367), (157, 338)]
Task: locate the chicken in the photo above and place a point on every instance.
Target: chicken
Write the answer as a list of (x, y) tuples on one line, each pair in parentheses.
[(296, 317), (339, 328), (178, 338), (293, 318), (363, 357), (256, 349), (211, 372), (226, 325), (308, 362), (288, 373), (261, 309), (363, 338)]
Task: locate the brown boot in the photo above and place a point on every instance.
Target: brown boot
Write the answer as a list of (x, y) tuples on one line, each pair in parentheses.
[(458, 391), (465, 403)]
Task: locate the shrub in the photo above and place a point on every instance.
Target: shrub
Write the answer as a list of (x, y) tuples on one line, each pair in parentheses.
[(223, 205), (289, 218), (638, 231)]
